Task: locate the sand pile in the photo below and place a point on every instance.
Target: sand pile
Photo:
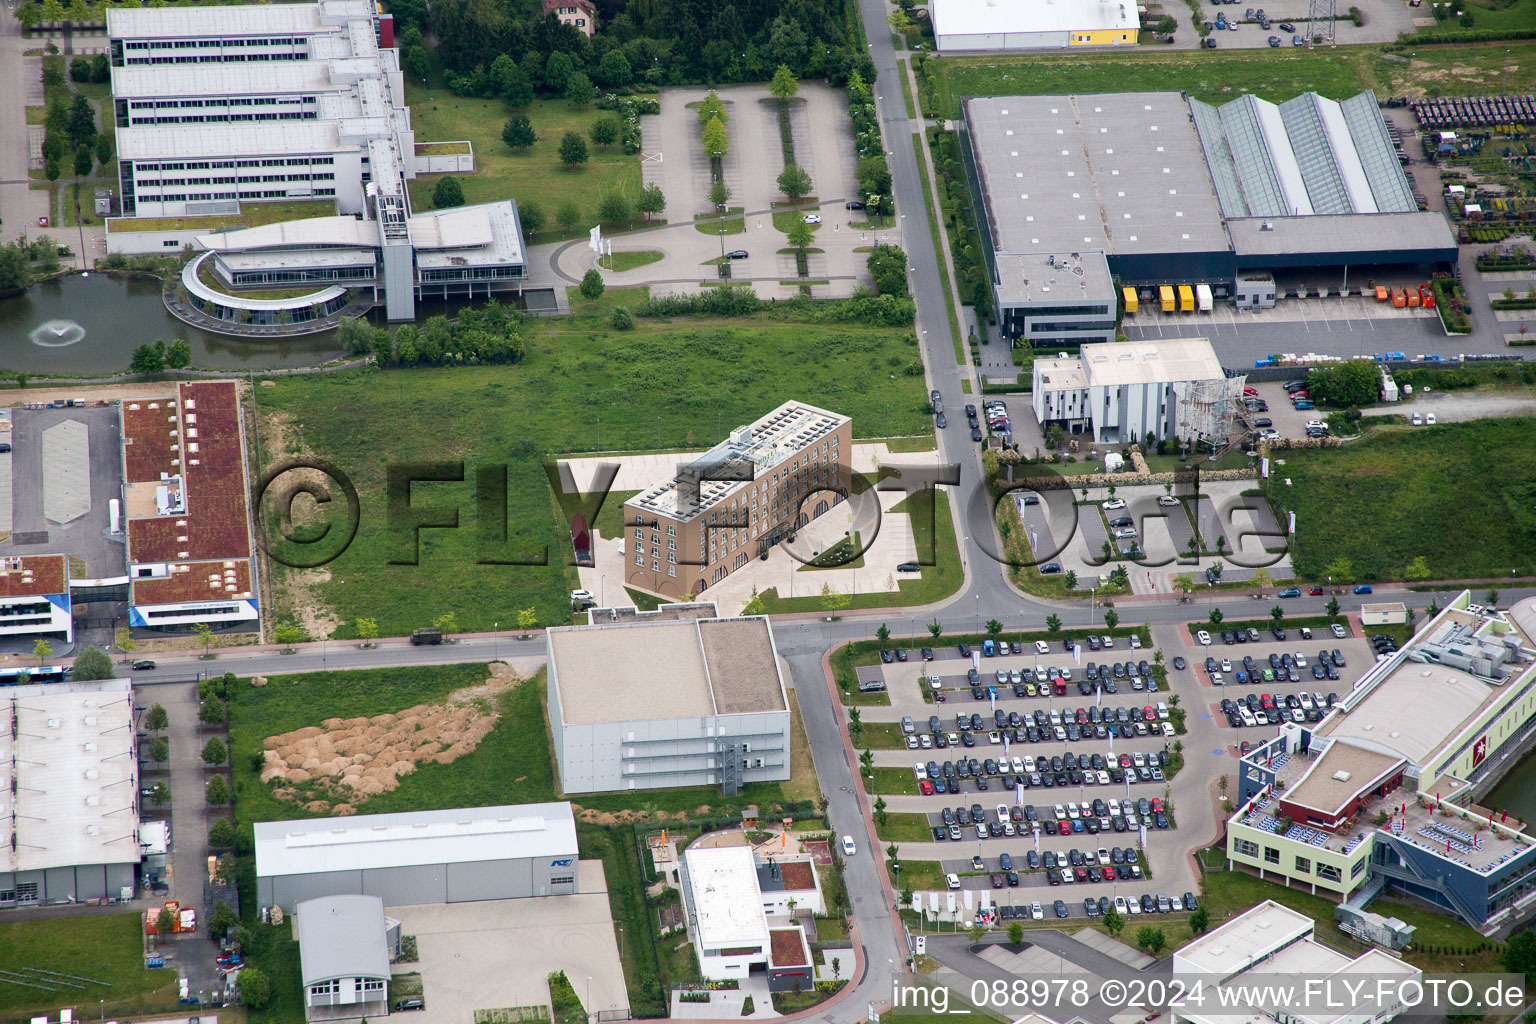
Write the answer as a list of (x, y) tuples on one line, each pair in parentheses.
[(336, 765)]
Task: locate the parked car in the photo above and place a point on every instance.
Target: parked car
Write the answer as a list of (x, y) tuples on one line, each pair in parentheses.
[(1363, 588), (736, 254), (144, 665)]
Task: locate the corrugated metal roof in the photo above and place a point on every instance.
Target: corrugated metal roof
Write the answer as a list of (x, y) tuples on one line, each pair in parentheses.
[(342, 937), (452, 836), (1377, 158)]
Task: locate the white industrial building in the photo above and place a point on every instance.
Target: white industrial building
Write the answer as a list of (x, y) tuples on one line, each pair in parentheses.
[(1271, 943), (1032, 24), (345, 944), (456, 855), (674, 697), (737, 929), (34, 597), (69, 813), (221, 106), (1119, 393)]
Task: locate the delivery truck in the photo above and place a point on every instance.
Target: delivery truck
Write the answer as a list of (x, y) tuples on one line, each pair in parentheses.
[(1203, 298), (1186, 299), (1130, 300), (1165, 296)]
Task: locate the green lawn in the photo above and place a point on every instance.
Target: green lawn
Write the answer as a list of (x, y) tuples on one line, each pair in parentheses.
[(580, 388), (1216, 76), (251, 215), (919, 874), (533, 175), (897, 781), (107, 949), (847, 553), (1492, 16), (606, 303), (1409, 493), (904, 828), (938, 581), (619, 262)]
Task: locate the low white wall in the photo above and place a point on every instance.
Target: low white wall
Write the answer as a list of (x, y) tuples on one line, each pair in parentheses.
[(138, 243)]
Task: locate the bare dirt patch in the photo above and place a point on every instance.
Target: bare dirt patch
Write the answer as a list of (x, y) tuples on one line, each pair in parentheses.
[(333, 767), (625, 817), (296, 591)]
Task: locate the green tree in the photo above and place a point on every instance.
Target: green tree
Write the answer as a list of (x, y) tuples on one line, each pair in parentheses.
[(1262, 578), (579, 91), (800, 234), (159, 750), (976, 932), (82, 122), (994, 627), (221, 833), (568, 214), (1276, 613), (784, 84), (165, 921), (42, 650), (1016, 933), (712, 109), (1352, 382), (222, 919), (1339, 570), (1113, 922), (794, 182), (592, 285), (719, 195), (883, 633), (92, 663), (614, 69), (833, 600), (1150, 938), (855, 721), (213, 712), (85, 159), (621, 319), (288, 634), (527, 619), (80, 69), (447, 193), (1216, 616), (614, 208), (447, 623), (1165, 26), (51, 170), (1200, 920), (1519, 956), (160, 794), (652, 200), (214, 751), (867, 760), (604, 131), (255, 990), (879, 807), (558, 70), (1071, 579), (1418, 569), (887, 264), (218, 791), (714, 139), (573, 150), (934, 629), (155, 719), (1332, 608), (1053, 624), (532, 216), (367, 629), (1493, 598), (1111, 619), (518, 133), (15, 271), (178, 354), (148, 358)]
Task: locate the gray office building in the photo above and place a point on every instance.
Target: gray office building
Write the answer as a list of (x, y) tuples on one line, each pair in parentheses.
[(450, 856), (674, 697)]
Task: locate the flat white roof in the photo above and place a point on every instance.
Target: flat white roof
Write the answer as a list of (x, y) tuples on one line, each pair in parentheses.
[(1150, 361), (484, 235), (258, 78), (989, 17), (726, 899), (453, 836), (216, 22), (1243, 940), (72, 766), (348, 232), (341, 937), (273, 138)]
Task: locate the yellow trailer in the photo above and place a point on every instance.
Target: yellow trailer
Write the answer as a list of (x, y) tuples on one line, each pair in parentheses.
[(1130, 299), (1165, 294), (1186, 299)]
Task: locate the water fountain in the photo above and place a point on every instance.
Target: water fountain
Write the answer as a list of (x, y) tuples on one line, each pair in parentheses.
[(57, 334)]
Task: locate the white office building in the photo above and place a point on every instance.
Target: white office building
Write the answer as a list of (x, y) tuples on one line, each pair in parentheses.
[(1119, 393), (222, 106), (34, 597), (1033, 25)]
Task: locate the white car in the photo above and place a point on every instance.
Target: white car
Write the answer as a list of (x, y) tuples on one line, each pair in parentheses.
[(1121, 907), (1061, 812), (1226, 664), (1167, 500), (1002, 812), (994, 737), (920, 770), (1204, 638), (912, 743), (1103, 855), (1029, 763), (848, 848), (1036, 912), (1113, 503), (1108, 642), (1135, 641), (1429, 419), (1178, 904), (1133, 907), (952, 880), (1072, 811), (1139, 759), (1416, 420), (1339, 631), (1103, 777), (812, 218), (1018, 764), (1041, 647), (1301, 662)]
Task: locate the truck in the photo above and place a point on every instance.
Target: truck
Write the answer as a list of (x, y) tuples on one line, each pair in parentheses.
[(1165, 297), (427, 635), (1186, 299), (1131, 303), (1203, 297)]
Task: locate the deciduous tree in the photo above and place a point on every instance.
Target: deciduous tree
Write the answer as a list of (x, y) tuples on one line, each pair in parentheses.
[(447, 193), (573, 150), (518, 133)]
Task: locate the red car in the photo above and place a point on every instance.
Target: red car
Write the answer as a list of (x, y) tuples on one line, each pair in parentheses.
[(925, 787), (1316, 591), (1250, 391), (1125, 760), (1157, 804)]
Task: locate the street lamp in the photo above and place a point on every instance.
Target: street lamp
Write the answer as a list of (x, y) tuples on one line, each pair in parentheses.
[(495, 639)]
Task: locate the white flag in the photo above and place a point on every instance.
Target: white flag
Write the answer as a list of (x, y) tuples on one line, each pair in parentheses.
[(1143, 830), (1077, 653), (992, 698), (1098, 698), (917, 903), (1036, 834), (1018, 794), (933, 902), (976, 659), (595, 239), (970, 900), (949, 902), (986, 902)]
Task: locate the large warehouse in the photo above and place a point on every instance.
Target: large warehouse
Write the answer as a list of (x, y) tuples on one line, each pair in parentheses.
[(1032, 25), (1379, 755), (449, 856), (673, 697), (69, 814), (1154, 188)]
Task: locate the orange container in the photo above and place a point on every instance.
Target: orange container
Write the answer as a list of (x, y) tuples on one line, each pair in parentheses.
[(1426, 296), (1399, 300), (1381, 293), (1413, 298)]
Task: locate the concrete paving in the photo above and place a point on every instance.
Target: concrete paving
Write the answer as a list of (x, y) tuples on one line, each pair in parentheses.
[(66, 472), (499, 953), (36, 530)]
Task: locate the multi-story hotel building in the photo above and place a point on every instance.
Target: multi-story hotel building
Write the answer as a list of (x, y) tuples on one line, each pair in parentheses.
[(736, 500)]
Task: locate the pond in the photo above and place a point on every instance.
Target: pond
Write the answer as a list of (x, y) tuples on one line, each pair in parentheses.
[(89, 326)]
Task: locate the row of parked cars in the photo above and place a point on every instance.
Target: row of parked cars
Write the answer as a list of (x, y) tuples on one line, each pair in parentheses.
[(1074, 818), (1062, 726), (1252, 636), (1272, 709), (1281, 668), (1147, 904), (1061, 770)]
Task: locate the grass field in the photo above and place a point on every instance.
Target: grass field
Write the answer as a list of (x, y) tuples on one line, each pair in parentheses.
[(1493, 15), (1409, 493), (1216, 76), (106, 949), (580, 388), (529, 175), (621, 261), (904, 828)]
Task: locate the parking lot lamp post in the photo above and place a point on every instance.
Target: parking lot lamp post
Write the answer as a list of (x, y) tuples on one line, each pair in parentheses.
[(722, 240), (495, 639), (978, 613)]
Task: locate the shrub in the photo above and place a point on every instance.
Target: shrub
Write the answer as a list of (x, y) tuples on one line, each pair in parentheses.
[(447, 193), (221, 832)]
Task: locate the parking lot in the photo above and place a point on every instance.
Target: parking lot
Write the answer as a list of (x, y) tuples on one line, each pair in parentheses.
[(1051, 764)]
